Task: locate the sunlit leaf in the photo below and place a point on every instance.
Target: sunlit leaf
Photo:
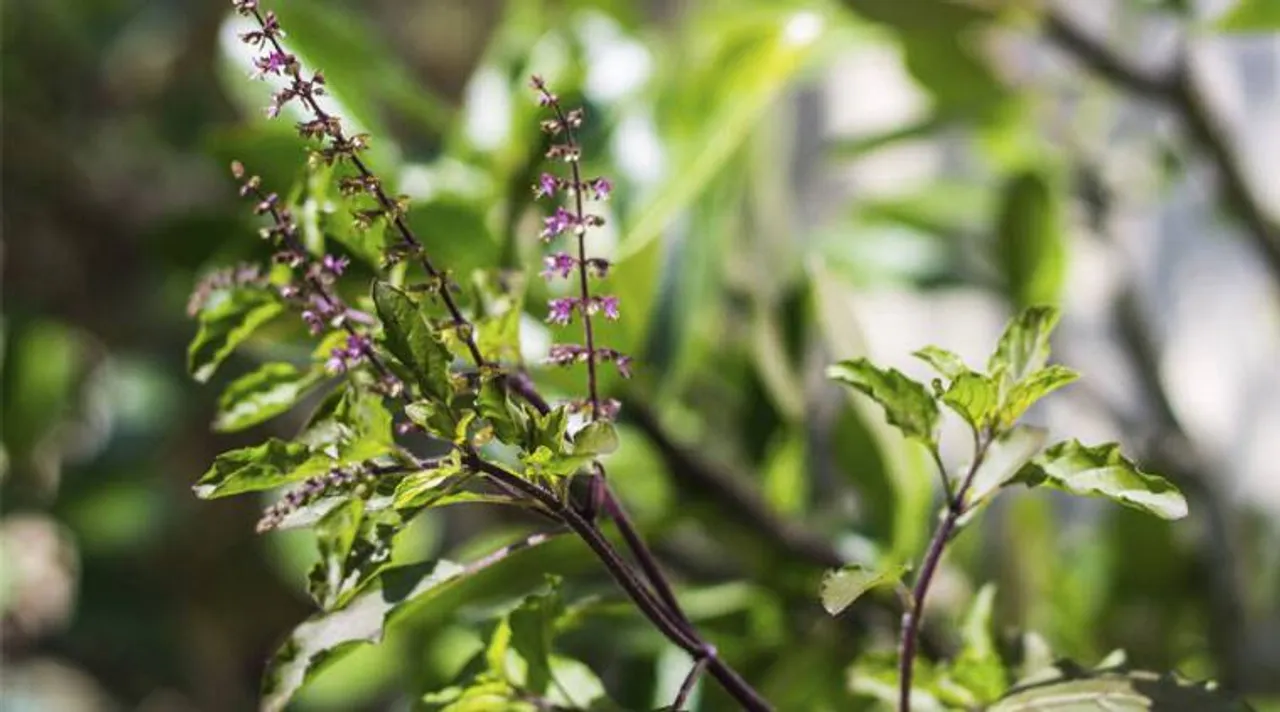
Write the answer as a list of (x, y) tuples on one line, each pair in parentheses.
[(1024, 345), (978, 668), (1102, 471), (354, 547), (974, 396), (1070, 689), (263, 394), (598, 438), (945, 362), (907, 404), (226, 321), (1004, 459), (841, 587), (266, 466), (1035, 386), (1262, 16), (532, 630)]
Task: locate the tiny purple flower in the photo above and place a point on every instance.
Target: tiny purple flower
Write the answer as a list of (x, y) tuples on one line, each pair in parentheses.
[(565, 354), (560, 264), (335, 265), (561, 310), (546, 187), (337, 362), (358, 346), (315, 324), (624, 365), (289, 291), (271, 63), (600, 188), (556, 223), (609, 305), (599, 267)]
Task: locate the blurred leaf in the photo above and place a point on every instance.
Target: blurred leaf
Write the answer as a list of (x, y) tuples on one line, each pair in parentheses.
[(598, 438), (1035, 386), (786, 477), (853, 148), (978, 668), (875, 675), (263, 394), (1030, 239), (974, 396), (907, 404), (403, 591), (1251, 16), (454, 235), (748, 86), (532, 630), (266, 466), (1118, 689), (841, 587), (413, 342), (1103, 471), (1024, 345), (40, 373), (227, 319), (1004, 459)]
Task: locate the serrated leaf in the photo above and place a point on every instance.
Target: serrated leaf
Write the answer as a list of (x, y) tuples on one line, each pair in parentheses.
[(597, 438), (1250, 16), (263, 394), (946, 363), (1023, 394), (1102, 471), (1004, 459), (841, 587), (420, 489), (1030, 239), (413, 342), (435, 418), (907, 404), (1024, 345), (494, 405), (353, 548), (262, 467), (225, 323), (351, 427), (974, 396)]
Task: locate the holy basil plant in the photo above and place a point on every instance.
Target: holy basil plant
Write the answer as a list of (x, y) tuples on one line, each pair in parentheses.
[(411, 388)]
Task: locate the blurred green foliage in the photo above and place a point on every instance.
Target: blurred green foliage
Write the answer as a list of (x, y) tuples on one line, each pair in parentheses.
[(122, 590)]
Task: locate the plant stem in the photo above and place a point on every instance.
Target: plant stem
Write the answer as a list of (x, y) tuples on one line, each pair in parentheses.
[(682, 635), (686, 688), (644, 557), (911, 618)]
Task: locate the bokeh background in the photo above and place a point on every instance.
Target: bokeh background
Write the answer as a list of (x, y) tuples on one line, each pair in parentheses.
[(798, 181)]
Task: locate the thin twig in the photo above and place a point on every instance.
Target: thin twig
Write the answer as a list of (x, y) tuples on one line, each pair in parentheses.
[(1177, 89), (686, 687)]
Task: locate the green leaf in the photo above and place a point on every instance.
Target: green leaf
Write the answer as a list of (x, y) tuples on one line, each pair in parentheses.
[(1004, 459), (1024, 345), (494, 404), (907, 404), (498, 331), (413, 342), (1251, 16), (786, 478), (1103, 472), (351, 427), (435, 418), (266, 466), (402, 591), (532, 631), (226, 321), (353, 549), (1035, 386), (841, 587), (1030, 239), (978, 668), (975, 397), (945, 362), (598, 438), (263, 394), (1070, 689)]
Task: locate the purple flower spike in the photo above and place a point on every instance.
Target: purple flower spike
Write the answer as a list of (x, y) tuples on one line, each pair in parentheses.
[(556, 223), (560, 264), (561, 310), (609, 305), (546, 187)]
